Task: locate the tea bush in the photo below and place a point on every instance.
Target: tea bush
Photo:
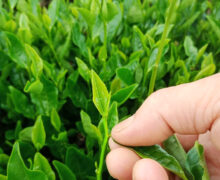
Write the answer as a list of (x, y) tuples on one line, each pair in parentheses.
[(70, 71)]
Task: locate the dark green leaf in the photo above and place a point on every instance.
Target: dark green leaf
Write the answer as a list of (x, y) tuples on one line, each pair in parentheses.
[(123, 94), (74, 155), (158, 154), (196, 161), (112, 116), (125, 75), (63, 171), (175, 149)]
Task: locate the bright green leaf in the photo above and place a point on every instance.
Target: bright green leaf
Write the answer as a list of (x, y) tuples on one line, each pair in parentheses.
[(38, 134), (42, 164), (37, 62), (100, 94), (33, 87), (17, 169), (90, 129), (55, 119), (83, 69), (17, 50), (21, 102)]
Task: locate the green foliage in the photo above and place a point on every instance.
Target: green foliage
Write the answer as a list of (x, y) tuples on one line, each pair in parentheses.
[(70, 71), (17, 170), (38, 134), (160, 155), (63, 171)]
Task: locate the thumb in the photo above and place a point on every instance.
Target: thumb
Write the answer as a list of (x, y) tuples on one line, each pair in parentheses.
[(191, 108)]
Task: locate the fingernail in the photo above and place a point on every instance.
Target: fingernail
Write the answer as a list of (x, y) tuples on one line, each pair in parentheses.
[(123, 125)]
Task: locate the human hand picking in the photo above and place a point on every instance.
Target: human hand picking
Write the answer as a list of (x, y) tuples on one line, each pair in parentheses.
[(192, 111)]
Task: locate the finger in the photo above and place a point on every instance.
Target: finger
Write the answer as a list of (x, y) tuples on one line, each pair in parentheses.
[(113, 145), (120, 163), (148, 169), (185, 109), (211, 155), (187, 141), (215, 133)]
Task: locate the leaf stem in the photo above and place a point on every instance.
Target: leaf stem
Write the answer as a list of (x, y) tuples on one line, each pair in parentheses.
[(103, 150), (161, 46)]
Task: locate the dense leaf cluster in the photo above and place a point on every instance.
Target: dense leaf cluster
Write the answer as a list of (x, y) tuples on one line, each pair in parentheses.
[(70, 71)]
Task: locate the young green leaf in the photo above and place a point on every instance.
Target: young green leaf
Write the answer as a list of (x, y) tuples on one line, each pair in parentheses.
[(55, 119), (17, 50), (63, 171), (38, 134), (83, 69), (112, 10), (21, 102), (125, 75), (102, 54), (75, 91), (190, 49), (17, 170), (53, 11), (37, 62), (201, 52), (26, 134), (42, 164), (207, 68), (47, 99), (90, 129), (12, 3), (214, 26), (123, 94), (33, 87), (79, 39), (100, 94), (88, 16)]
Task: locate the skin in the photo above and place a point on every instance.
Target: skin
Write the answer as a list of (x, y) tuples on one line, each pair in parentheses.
[(192, 111)]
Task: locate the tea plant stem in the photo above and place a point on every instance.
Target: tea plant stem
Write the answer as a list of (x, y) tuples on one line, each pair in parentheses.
[(161, 46), (103, 149)]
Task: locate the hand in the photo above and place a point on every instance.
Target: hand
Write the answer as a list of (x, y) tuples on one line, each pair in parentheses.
[(190, 110)]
